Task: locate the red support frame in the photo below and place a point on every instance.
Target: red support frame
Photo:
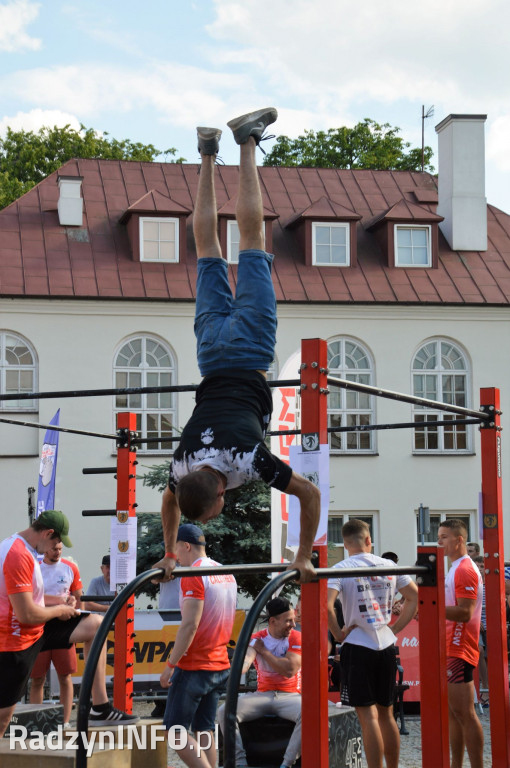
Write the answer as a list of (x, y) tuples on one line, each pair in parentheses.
[(125, 621), (493, 545), (314, 615), (432, 633)]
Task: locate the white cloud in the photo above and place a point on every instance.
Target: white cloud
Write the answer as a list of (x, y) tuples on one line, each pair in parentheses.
[(14, 17), (38, 118), (498, 144)]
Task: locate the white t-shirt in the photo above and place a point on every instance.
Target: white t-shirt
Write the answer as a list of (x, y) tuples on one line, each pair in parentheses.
[(62, 578), (367, 601)]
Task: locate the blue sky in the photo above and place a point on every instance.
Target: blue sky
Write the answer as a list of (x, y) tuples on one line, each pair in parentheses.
[(151, 72)]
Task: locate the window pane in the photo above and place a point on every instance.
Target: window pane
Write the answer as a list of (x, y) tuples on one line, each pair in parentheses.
[(420, 255), (338, 255), (335, 529), (419, 238), (322, 236), (338, 235), (403, 237), (150, 250), (11, 382), (323, 254), (150, 230), (405, 255), (167, 231)]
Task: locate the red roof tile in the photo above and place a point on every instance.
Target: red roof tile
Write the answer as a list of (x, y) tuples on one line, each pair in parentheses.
[(39, 257)]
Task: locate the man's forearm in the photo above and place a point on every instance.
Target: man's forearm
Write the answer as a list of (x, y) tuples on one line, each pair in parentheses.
[(406, 615), (170, 517)]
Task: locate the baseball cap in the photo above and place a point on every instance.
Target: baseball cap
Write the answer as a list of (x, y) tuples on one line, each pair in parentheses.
[(54, 518), (105, 560), (191, 533), (277, 605)]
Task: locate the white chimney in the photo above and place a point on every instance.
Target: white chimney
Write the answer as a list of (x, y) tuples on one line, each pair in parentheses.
[(70, 202), (461, 175)]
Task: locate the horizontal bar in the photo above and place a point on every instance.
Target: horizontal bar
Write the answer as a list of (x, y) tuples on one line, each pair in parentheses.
[(388, 393), (98, 512), (54, 428), (322, 573), (373, 427), (99, 470), (123, 391)]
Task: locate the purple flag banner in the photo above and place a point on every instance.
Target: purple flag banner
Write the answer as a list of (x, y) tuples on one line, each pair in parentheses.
[(48, 469)]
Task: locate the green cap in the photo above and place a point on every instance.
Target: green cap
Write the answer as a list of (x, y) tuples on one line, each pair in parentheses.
[(54, 518)]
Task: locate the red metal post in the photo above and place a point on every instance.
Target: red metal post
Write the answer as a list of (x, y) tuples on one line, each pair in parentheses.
[(493, 545), (314, 418), (125, 621), (432, 632)]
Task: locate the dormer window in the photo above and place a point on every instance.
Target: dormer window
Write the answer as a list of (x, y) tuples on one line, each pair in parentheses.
[(159, 239), (330, 244), (412, 246)]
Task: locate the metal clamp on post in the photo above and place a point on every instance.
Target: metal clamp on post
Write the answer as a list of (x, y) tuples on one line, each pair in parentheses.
[(430, 563), (491, 411), (123, 438)]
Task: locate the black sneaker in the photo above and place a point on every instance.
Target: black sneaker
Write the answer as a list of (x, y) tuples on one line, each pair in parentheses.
[(208, 140), (111, 716), (252, 124)]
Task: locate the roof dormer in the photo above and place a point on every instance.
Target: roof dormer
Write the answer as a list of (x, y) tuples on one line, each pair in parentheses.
[(156, 227), (326, 232), (408, 235)]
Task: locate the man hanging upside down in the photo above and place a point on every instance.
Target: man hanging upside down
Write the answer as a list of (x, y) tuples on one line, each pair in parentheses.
[(222, 445)]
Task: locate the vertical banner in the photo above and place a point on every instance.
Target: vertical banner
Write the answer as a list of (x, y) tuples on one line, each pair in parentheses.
[(314, 465), (48, 468), (123, 539), (284, 417)]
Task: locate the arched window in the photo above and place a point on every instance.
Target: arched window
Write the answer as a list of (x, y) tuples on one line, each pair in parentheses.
[(18, 371), (440, 372), (347, 359), (143, 361)]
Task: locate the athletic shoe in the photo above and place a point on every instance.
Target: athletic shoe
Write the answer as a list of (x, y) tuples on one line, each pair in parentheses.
[(208, 140), (252, 124), (111, 716)]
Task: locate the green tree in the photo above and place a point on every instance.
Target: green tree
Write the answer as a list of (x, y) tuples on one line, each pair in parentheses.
[(241, 534), (367, 145), (27, 157)]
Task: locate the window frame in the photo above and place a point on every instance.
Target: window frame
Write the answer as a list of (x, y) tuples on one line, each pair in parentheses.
[(334, 547), (19, 406), (144, 409), (344, 394), (443, 514), (430, 414), (428, 230), (159, 220), (332, 225)]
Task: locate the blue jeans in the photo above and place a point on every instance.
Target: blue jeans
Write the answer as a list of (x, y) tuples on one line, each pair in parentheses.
[(235, 332), (193, 698)]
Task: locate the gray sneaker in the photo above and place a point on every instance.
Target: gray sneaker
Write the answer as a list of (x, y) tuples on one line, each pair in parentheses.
[(208, 140), (253, 124)]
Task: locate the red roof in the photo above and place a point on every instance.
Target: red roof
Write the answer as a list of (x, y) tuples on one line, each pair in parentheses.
[(40, 258)]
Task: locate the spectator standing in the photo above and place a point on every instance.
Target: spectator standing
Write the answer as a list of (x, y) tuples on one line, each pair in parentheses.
[(367, 659), (276, 653), (473, 549), (197, 669), (62, 586), (463, 599)]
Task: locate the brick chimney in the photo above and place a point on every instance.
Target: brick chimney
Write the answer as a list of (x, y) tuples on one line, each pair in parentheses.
[(70, 202), (461, 177)]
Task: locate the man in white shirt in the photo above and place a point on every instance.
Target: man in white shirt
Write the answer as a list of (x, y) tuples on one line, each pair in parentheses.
[(62, 586), (367, 659)]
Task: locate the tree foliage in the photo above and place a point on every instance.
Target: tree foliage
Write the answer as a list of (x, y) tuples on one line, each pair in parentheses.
[(27, 157), (241, 534), (367, 145)]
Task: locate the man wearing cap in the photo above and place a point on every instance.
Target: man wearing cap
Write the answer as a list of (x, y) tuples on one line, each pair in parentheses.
[(62, 585), (198, 665), (276, 653), (100, 587), (27, 626)]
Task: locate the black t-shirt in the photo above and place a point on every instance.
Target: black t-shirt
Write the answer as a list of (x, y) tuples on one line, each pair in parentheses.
[(226, 431)]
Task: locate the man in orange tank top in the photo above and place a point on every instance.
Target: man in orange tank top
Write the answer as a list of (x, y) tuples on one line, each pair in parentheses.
[(463, 599)]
